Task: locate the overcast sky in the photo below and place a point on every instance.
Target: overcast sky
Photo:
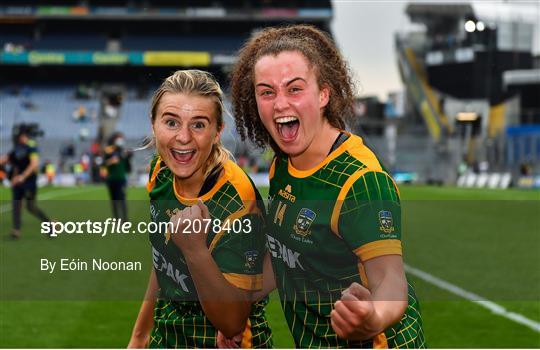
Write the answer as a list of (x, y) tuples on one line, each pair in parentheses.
[(364, 31)]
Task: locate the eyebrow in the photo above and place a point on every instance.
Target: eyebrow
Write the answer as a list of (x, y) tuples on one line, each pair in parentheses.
[(288, 83), (165, 114), (295, 79), (201, 117)]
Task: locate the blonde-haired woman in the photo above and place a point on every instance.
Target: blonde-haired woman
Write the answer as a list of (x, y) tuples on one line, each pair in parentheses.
[(206, 266)]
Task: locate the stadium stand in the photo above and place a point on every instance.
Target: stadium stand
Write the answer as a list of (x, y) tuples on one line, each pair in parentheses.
[(470, 75), (61, 61)]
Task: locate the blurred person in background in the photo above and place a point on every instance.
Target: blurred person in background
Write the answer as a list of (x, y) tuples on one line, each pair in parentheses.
[(24, 167), (202, 281), (49, 169), (117, 163), (3, 174)]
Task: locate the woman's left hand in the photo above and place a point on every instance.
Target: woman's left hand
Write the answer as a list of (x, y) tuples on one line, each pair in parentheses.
[(229, 343), (187, 222), (354, 316)]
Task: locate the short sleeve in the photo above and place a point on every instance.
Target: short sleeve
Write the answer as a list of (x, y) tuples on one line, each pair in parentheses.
[(33, 152), (370, 216), (240, 251)]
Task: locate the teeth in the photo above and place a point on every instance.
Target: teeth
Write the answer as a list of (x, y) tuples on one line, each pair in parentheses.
[(181, 151), (283, 120)]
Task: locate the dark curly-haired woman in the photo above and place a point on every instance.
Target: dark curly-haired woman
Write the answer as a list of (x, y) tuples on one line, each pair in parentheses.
[(334, 219)]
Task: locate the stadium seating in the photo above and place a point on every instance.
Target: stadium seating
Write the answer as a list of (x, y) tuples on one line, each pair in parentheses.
[(53, 106), (70, 42), (223, 44), (50, 106)]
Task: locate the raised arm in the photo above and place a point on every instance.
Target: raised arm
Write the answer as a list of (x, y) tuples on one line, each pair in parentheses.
[(269, 281), (363, 312), (225, 305), (370, 223)]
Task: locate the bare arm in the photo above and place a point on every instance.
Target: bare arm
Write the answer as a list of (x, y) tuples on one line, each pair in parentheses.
[(269, 284), (225, 305), (140, 335), (365, 312), (388, 286), (269, 281)]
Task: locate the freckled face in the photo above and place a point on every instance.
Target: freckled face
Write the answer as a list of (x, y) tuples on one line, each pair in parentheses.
[(185, 128), (289, 100)]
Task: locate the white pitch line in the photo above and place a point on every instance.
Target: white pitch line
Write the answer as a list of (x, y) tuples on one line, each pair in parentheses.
[(54, 194), (493, 307)]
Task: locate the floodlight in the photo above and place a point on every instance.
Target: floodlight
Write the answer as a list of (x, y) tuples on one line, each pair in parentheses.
[(470, 26)]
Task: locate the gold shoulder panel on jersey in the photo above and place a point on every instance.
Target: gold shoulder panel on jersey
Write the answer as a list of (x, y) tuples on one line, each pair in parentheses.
[(341, 197), (240, 181), (243, 186), (360, 151), (152, 181), (272, 169), (343, 194), (365, 155), (236, 215)]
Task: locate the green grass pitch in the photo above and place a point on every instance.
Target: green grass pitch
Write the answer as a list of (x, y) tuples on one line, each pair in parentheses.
[(486, 242)]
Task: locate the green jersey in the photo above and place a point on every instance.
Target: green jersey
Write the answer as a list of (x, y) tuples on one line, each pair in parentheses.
[(117, 171), (324, 223), (237, 245)]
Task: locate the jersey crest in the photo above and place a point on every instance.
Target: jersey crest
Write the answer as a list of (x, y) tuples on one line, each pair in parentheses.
[(386, 221), (303, 221), (251, 258)]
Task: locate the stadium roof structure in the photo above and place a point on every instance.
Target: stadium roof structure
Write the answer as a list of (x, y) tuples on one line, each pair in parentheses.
[(419, 11), (491, 13), (521, 77), (528, 13)]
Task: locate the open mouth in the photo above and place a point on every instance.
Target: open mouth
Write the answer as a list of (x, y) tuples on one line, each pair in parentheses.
[(288, 127), (182, 156)]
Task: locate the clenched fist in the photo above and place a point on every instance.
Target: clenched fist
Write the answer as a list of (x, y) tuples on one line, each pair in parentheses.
[(354, 316), (190, 228)]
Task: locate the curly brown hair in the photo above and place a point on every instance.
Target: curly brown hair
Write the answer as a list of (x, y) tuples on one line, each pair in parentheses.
[(318, 48)]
